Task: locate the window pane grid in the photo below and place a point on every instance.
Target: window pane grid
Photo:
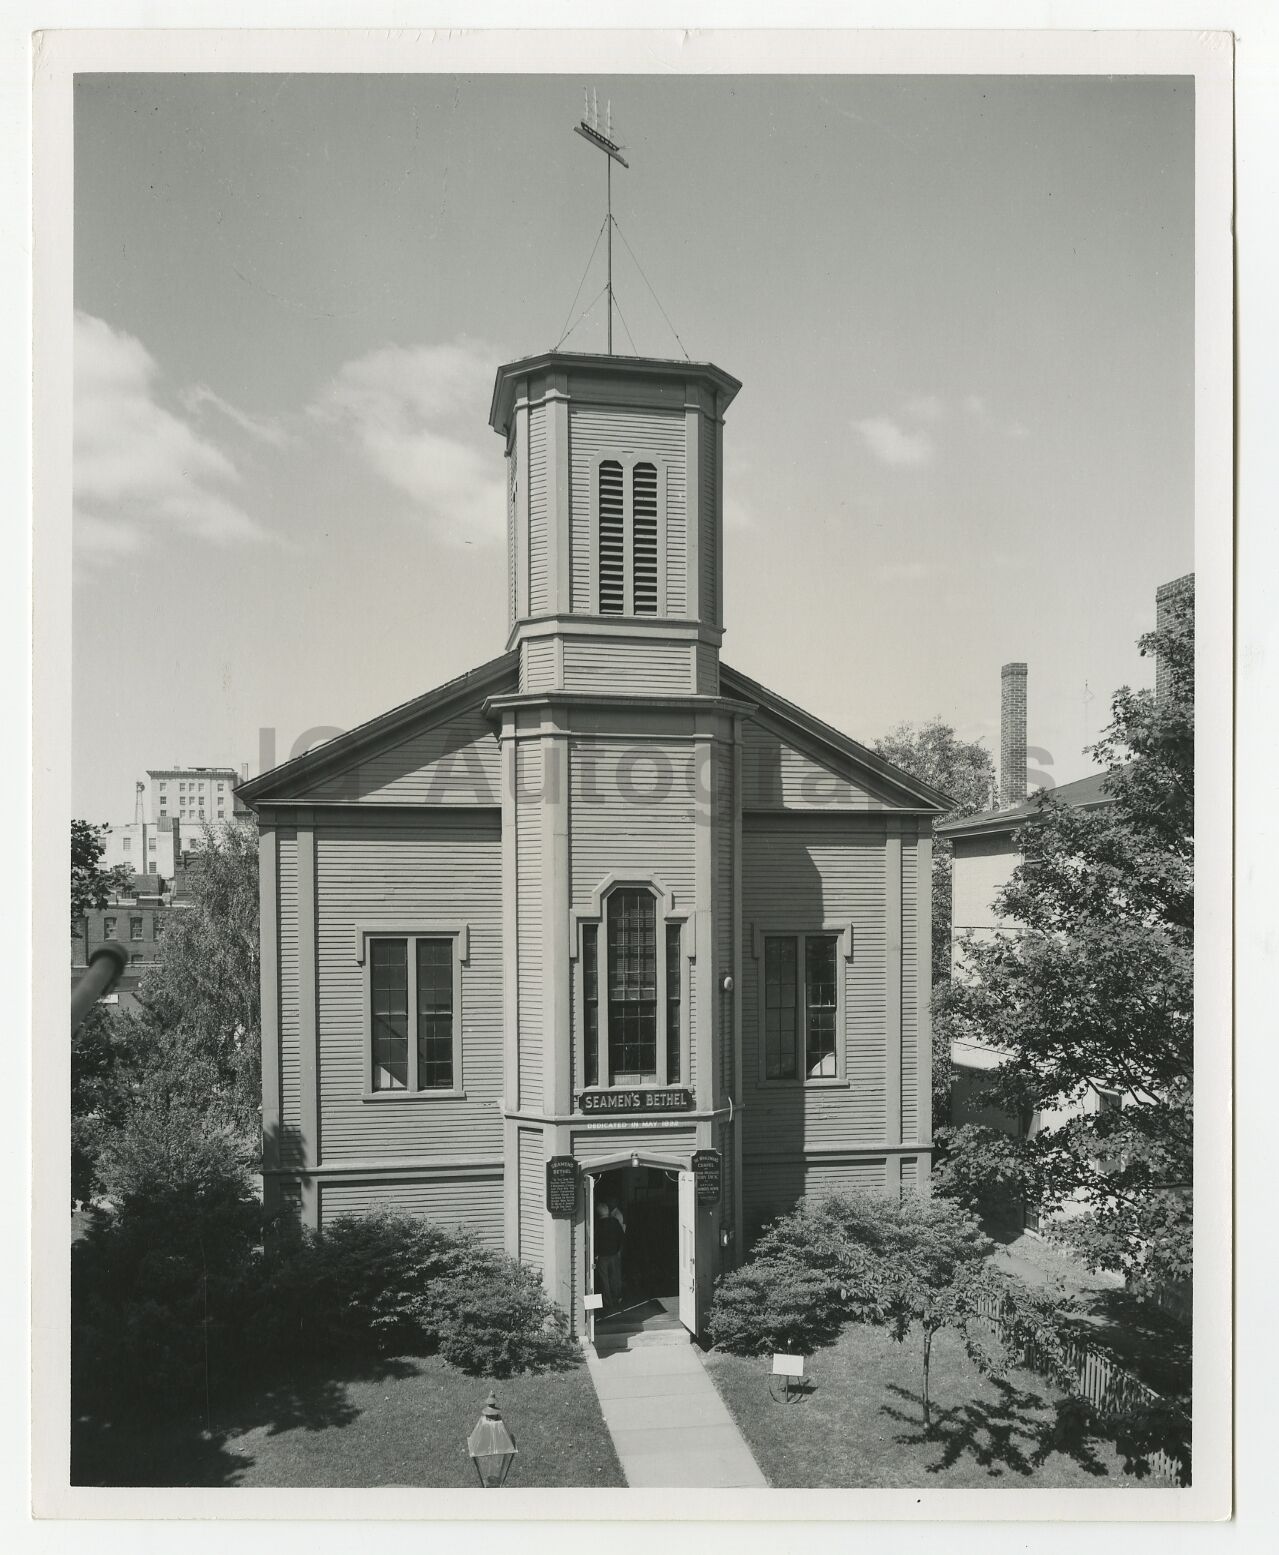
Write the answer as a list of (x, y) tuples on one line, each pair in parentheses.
[(434, 1014), (780, 1008), (632, 984), (820, 1002), (591, 1000), (672, 1004), (389, 975)]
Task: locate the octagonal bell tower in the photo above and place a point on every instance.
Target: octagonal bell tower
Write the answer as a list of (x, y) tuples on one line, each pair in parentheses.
[(614, 521)]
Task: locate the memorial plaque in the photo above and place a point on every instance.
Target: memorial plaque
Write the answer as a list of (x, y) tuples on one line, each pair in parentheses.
[(674, 1099), (707, 1172), (561, 1187)]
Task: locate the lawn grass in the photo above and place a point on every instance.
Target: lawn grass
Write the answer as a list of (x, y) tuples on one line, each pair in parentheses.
[(401, 1422), (861, 1424)]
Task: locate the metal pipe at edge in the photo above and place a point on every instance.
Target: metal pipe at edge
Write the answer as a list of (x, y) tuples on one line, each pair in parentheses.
[(106, 963)]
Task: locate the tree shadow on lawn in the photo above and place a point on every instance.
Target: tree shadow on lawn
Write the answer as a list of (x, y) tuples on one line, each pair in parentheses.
[(1008, 1433), (131, 1449)]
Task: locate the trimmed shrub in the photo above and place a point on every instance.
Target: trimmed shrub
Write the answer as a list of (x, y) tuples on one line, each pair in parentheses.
[(498, 1319)]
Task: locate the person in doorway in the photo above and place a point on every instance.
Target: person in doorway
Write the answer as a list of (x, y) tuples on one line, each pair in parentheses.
[(609, 1238)]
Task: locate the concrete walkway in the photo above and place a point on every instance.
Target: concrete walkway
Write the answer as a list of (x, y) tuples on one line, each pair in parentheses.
[(666, 1418)]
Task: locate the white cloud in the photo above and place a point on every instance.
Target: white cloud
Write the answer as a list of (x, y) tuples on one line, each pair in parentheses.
[(261, 428), (419, 415), (892, 444), (140, 469)]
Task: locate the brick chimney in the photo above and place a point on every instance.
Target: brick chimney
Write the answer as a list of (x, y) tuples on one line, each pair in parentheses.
[(1012, 734), (1168, 595)]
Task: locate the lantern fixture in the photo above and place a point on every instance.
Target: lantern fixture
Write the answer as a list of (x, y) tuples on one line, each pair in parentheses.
[(491, 1446)]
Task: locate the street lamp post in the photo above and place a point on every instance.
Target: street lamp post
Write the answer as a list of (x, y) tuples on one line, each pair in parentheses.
[(491, 1446)]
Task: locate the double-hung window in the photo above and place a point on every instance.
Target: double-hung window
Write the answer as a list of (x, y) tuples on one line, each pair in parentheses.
[(414, 1034), (632, 993), (800, 1007)]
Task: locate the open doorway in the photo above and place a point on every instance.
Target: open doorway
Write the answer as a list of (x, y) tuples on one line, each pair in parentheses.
[(643, 1204)]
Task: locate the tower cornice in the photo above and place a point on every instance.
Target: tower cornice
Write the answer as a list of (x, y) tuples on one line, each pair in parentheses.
[(623, 369)]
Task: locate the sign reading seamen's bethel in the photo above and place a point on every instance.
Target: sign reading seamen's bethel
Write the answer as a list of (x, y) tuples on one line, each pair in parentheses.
[(675, 1100), (561, 1187), (707, 1172)]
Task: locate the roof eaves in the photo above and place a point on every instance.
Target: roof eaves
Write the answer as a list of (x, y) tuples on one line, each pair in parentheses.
[(836, 740), (314, 763)]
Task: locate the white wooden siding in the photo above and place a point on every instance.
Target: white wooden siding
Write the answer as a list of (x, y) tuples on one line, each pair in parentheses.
[(596, 432), (472, 1201), (777, 775), (709, 540), (910, 1174), (532, 1197), (291, 1152), (626, 664), (438, 868), (706, 671), (512, 467), (539, 520), (537, 664), (773, 1187), (910, 1007), (802, 877), (529, 871), (451, 763), (724, 898), (641, 831)]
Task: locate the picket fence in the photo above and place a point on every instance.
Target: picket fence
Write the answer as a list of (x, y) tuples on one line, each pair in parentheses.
[(1107, 1387)]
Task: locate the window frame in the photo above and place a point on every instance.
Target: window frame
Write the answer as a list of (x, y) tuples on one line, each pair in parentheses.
[(842, 934), (628, 458), (459, 936), (596, 916)]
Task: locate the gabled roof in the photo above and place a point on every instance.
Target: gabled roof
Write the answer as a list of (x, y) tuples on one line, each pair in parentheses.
[(294, 777), (1087, 793), (919, 795)]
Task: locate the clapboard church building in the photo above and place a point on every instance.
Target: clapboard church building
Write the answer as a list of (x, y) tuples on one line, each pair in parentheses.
[(603, 918)]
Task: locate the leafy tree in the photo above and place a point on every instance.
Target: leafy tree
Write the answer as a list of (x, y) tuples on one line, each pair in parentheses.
[(204, 991), (117, 882), (964, 770), (1096, 993), (104, 1062), (916, 1265), (88, 882)]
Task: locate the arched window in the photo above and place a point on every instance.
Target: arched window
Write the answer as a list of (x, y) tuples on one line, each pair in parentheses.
[(632, 992), (612, 544), (644, 539), (632, 986)]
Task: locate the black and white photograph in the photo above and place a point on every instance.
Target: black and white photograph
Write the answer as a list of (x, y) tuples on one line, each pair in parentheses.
[(634, 622)]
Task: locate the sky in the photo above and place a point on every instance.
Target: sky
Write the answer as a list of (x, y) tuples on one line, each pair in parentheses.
[(961, 309)]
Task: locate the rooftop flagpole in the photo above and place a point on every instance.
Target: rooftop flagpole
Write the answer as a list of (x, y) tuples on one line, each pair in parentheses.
[(602, 140)]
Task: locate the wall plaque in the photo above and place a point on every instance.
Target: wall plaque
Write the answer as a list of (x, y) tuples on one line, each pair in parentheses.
[(675, 1099), (707, 1171), (561, 1187)]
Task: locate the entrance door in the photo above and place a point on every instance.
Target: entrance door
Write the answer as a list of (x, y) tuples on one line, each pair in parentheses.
[(688, 1251)]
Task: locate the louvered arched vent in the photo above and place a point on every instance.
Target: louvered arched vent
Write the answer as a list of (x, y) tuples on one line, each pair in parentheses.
[(644, 538), (612, 542)]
